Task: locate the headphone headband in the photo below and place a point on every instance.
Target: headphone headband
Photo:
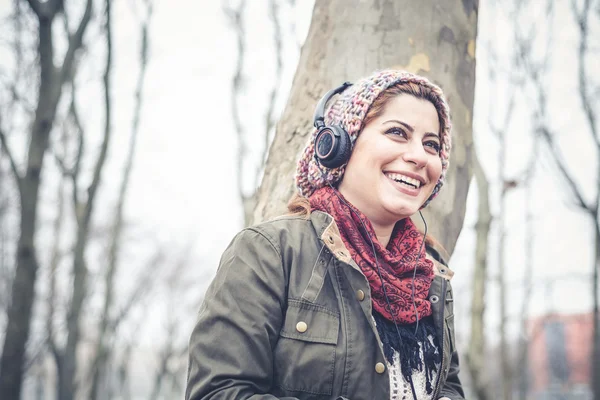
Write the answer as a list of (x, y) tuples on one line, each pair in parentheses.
[(319, 116)]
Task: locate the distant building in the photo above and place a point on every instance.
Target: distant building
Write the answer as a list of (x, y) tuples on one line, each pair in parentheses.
[(560, 357)]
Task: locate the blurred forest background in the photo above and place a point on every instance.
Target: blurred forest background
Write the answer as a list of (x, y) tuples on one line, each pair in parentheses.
[(137, 137)]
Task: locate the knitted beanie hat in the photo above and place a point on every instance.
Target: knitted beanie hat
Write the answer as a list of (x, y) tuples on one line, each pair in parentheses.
[(349, 111)]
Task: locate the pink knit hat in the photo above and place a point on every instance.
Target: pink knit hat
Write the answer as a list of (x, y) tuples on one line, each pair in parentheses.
[(349, 111)]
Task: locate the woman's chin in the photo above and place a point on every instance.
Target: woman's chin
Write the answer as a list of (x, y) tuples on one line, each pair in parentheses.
[(401, 210)]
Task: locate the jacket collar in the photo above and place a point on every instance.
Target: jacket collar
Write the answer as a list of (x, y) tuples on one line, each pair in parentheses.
[(328, 232)]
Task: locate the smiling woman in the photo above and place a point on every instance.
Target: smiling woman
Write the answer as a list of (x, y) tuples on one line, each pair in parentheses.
[(395, 164), (341, 299)]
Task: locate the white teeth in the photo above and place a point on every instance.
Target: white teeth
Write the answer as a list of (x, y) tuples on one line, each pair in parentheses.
[(404, 179)]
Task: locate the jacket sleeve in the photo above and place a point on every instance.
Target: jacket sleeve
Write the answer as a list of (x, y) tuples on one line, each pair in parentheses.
[(453, 388), (231, 346)]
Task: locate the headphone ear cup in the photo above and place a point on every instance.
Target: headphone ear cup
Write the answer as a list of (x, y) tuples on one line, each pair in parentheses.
[(341, 151)]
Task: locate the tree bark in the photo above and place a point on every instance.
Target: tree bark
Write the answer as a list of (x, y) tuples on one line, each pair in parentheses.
[(351, 39), (476, 358)]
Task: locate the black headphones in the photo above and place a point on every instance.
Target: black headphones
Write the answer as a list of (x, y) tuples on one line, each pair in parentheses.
[(332, 144)]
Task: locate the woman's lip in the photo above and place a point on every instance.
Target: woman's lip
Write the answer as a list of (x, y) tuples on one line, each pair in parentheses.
[(404, 188), (409, 174)]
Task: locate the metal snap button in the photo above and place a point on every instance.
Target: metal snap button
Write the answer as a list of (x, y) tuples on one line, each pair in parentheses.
[(360, 295), (434, 299), (379, 368), (301, 327)]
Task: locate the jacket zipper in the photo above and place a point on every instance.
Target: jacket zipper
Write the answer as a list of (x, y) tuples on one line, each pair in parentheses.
[(441, 371)]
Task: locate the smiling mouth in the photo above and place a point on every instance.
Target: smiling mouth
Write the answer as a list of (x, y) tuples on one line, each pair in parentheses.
[(404, 180)]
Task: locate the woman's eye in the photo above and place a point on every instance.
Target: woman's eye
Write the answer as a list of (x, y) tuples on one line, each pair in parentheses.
[(434, 145), (396, 131)]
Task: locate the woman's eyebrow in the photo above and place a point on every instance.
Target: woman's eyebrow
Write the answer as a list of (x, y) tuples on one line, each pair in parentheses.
[(427, 134), (411, 129), (407, 126)]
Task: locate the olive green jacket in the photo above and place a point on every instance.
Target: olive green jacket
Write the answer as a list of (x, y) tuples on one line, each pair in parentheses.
[(288, 316)]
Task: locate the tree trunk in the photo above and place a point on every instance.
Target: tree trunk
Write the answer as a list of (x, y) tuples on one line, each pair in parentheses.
[(22, 294), (476, 359), (67, 382), (23, 288), (350, 39)]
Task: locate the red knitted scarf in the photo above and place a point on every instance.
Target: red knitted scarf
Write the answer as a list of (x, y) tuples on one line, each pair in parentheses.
[(396, 262)]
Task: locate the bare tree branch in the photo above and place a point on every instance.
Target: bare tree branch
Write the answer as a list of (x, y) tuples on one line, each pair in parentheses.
[(54, 262), (523, 352), (62, 166), (23, 290), (102, 350), (561, 164), (169, 350), (94, 185), (18, 73), (476, 350), (75, 42), (84, 214), (236, 17), (582, 18), (269, 116), (76, 169), (11, 158), (143, 287)]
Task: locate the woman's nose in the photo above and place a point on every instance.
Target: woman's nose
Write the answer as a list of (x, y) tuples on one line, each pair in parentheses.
[(414, 153)]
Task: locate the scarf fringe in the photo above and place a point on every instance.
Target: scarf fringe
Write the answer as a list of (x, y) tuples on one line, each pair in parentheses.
[(407, 345)]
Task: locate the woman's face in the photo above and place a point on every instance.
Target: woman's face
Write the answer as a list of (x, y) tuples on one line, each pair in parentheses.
[(395, 163)]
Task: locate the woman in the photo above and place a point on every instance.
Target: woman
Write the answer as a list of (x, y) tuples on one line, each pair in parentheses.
[(339, 300)]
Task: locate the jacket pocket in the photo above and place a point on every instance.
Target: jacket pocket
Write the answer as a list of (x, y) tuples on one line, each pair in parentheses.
[(305, 352), (450, 332)]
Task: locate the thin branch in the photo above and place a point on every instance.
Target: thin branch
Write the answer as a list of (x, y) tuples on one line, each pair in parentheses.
[(586, 101), (143, 287), (524, 341), (54, 262), (65, 171), (84, 211), (102, 350), (237, 19), (75, 42), (94, 185), (19, 73), (74, 116), (65, 16), (270, 117), (560, 163), (501, 130), (60, 159), (583, 24), (476, 350), (11, 159)]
